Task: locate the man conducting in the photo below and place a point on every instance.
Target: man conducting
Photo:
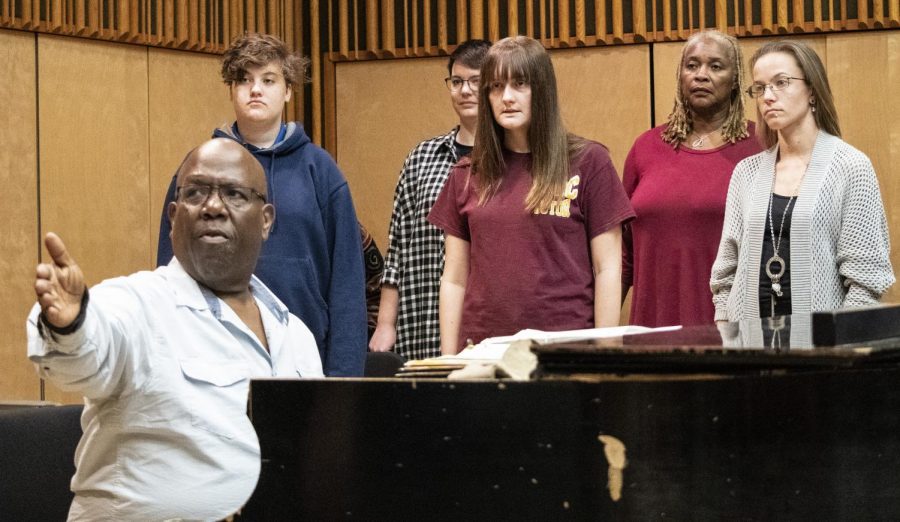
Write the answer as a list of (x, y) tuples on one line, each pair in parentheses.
[(164, 358)]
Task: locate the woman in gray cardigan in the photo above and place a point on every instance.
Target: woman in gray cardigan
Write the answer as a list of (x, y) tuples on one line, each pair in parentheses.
[(805, 227)]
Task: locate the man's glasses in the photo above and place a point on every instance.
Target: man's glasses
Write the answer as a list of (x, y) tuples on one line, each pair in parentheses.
[(236, 198), (455, 83), (779, 84)]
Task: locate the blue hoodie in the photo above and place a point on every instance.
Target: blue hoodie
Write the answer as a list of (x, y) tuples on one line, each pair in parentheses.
[(313, 258)]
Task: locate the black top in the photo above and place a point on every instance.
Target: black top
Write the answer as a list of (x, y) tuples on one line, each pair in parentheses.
[(783, 303), (462, 150)]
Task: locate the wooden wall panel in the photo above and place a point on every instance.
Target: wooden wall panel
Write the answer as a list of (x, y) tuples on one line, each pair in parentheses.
[(18, 213), (94, 187), (864, 72), (383, 109), (600, 103), (187, 101)]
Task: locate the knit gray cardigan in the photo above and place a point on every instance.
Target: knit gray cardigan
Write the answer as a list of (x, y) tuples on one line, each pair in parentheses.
[(839, 248)]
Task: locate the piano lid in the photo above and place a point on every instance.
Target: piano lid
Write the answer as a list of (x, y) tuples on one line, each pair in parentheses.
[(748, 346)]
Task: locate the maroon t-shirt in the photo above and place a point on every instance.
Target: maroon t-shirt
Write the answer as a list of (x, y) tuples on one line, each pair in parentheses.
[(531, 270), (679, 197)]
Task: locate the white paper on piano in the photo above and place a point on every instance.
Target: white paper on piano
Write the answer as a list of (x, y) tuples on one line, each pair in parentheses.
[(518, 365)]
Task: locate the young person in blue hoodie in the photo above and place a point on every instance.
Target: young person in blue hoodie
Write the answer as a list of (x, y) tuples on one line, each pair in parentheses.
[(313, 259)]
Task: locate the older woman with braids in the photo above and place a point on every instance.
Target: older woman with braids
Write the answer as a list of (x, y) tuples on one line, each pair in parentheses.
[(677, 177), (805, 227)]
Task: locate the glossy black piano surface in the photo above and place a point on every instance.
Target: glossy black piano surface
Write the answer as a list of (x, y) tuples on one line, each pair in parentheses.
[(789, 443)]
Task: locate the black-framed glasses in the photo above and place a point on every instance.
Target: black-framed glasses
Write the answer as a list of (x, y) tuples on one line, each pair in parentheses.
[(455, 83), (234, 197), (778, 84)]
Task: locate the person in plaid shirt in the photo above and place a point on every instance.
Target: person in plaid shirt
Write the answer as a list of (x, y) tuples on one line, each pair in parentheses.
[(408, 312)]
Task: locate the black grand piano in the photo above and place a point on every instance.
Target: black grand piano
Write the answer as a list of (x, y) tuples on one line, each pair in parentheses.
[(746, 421)]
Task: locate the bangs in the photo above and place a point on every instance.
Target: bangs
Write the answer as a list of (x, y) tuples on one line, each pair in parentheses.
[(509, 62)]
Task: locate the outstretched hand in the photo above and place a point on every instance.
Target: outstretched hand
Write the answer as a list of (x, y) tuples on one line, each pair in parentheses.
[(59, 285)]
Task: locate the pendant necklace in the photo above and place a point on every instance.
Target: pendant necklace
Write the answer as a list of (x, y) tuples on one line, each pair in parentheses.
[(775, 277), (696, 144)]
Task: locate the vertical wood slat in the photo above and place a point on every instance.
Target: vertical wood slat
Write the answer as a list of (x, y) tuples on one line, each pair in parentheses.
[(274, 17), (766, 16), (877, 13), (512, 18), (894, 13), (443, 22), (476, 17), (343, 29), (404, 50), (329, 23), (426, 29), (204, 37), (193, 25), (110, 31), (355, 46), (262, 21), (580, 23), (372, 26), (551, 23), (542, 20), (639, 19), (247, 11), (137, 35), (690, 15), (461, 25), (748, 16), (181, 23), (298, 22), (798, 17), (414, 12), (388, 38), (316, 66), (600, 20), (679, 18), (56, 16), (529, 19), (667, 19), (618, 22), (701, 14), (722, 15), (563, 22), (781, 16), (817, 12), (493, 21), (120, 25), (169, 22)]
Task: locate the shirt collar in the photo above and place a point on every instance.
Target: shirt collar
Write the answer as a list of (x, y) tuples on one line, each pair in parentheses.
[(194, 295)]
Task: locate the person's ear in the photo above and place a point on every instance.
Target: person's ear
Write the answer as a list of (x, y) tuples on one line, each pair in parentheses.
[(268, 219), (170, 210)]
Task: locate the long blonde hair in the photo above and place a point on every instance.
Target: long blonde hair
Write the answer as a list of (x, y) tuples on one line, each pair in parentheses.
[(815, 77), (681, 119), (552, 148)]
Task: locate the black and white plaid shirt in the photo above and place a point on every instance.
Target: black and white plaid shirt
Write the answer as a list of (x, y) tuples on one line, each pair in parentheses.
[(415, 254)]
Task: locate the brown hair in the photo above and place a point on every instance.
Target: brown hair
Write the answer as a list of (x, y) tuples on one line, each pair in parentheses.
[(552, 148), (815, 78), (681, 119), (258, 50), (470, 53)]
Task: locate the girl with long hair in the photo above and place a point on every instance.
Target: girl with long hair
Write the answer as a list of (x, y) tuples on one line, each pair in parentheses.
[(532, 221)]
